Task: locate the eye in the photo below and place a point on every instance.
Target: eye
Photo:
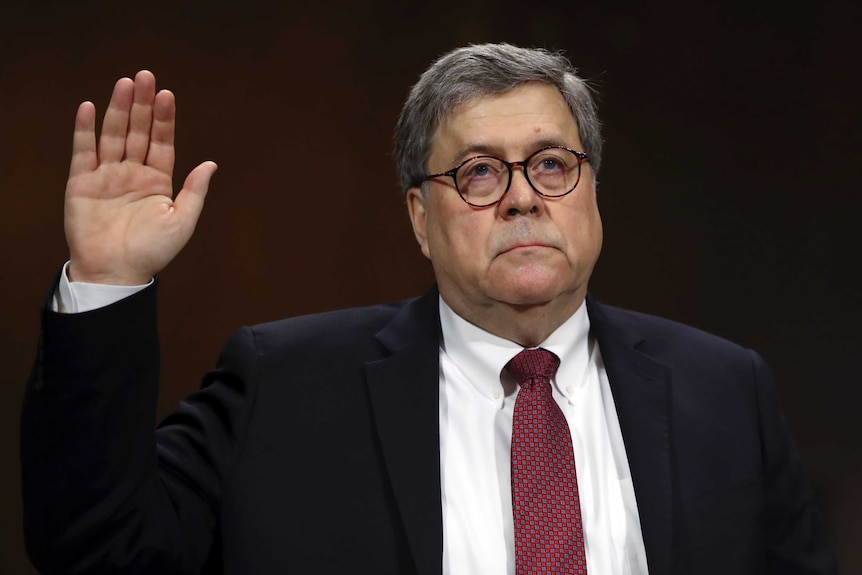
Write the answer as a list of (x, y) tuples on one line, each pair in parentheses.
[(479, 169), (550, 164)]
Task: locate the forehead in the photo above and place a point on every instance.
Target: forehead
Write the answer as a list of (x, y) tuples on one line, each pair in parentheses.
[(516, 122)]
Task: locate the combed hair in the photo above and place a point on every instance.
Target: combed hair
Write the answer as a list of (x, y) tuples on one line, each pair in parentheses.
[(486, 70)]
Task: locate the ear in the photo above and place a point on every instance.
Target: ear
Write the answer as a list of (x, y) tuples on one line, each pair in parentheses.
[(419, 218)]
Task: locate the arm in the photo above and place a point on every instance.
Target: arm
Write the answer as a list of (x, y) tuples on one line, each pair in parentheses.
[(98, 496), (103, 490)]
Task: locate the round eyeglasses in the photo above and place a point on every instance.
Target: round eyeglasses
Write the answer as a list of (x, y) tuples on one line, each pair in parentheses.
[(482, 181)]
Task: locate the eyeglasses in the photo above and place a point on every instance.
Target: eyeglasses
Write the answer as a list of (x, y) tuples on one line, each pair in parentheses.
[(482, 181)]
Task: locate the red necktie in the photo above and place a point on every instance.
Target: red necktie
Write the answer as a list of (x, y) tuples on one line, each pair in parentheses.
[(549, 537)]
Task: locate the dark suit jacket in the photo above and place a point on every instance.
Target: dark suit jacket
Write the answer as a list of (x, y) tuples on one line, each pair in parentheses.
[(313, 448)]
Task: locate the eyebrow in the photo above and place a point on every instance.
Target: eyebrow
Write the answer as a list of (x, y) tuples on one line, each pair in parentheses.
[(481, 149)]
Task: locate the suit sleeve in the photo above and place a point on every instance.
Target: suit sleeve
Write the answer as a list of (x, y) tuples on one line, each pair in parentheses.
[(103, 490), (796, 540)]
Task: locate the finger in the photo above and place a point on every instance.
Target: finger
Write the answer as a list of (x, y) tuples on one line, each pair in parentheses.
[(161, 153), (84, 158), (112, 143), (190, 201), (141, 117)]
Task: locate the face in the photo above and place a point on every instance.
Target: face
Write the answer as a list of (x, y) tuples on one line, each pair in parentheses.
[(527, 251)]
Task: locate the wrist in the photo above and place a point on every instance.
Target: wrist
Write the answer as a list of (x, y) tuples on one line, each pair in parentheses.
[(76, 274)]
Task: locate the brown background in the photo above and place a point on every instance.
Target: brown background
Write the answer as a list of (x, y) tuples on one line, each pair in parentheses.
[(729, 192)]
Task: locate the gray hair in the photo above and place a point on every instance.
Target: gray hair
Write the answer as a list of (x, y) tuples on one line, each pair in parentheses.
[(485, 70)]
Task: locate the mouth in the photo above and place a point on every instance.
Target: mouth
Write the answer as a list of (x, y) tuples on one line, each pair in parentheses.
[(525, 247)]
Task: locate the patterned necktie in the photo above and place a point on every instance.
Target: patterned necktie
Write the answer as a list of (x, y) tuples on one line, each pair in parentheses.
[(548, 533)]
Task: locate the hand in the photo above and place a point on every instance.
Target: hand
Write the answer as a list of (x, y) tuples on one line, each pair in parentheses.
[(122, 223)]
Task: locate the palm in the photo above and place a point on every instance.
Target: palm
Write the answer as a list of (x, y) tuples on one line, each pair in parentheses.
[(122, 223)]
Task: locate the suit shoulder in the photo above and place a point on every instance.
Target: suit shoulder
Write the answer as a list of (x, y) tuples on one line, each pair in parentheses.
[(329, 328), (658, 335)]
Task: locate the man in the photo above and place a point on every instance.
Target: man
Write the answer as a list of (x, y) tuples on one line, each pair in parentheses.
[(503, 423)]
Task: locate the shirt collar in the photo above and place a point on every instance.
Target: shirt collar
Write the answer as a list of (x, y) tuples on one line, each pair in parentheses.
[(481, 355)]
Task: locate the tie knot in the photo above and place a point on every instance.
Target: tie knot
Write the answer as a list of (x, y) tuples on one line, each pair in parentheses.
[(533, 364)]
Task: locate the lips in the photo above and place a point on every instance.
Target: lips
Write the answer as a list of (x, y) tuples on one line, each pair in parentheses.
[(524, 246), (529, 245)]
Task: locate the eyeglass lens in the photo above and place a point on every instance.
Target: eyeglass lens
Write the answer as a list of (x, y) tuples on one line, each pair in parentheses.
[(551, 172)]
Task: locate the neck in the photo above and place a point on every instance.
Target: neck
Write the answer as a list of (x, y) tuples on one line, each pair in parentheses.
[(526, 325)]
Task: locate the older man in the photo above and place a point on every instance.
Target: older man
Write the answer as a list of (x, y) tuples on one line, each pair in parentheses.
[(502, 423)]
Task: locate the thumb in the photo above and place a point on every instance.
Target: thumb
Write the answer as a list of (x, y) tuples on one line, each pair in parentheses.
[(190, 201)]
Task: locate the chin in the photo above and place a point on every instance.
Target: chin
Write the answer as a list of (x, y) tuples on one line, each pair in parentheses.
[(536, 287), (528, 295)]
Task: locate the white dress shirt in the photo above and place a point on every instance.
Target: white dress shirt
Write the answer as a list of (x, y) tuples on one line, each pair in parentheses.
[(78, 297), (477, 399)]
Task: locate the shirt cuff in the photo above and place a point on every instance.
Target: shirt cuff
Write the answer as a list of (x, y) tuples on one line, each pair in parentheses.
[(78, 297)]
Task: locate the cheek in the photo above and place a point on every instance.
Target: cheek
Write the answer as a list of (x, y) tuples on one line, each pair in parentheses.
[(458, 241), (592, 237), (582, 228)]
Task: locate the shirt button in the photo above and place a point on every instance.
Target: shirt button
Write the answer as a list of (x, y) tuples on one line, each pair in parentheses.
[(496, 394), (569, 389)]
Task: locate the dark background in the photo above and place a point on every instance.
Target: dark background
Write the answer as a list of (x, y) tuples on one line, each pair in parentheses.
[(729, 190)]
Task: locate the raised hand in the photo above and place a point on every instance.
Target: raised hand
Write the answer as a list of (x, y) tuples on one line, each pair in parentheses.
[(123, 224)]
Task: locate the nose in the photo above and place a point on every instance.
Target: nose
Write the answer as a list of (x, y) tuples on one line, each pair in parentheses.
[(521, 198)]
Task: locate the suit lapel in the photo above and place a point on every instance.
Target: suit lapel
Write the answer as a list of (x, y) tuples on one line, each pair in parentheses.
[(641, 390), (403, 390)]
